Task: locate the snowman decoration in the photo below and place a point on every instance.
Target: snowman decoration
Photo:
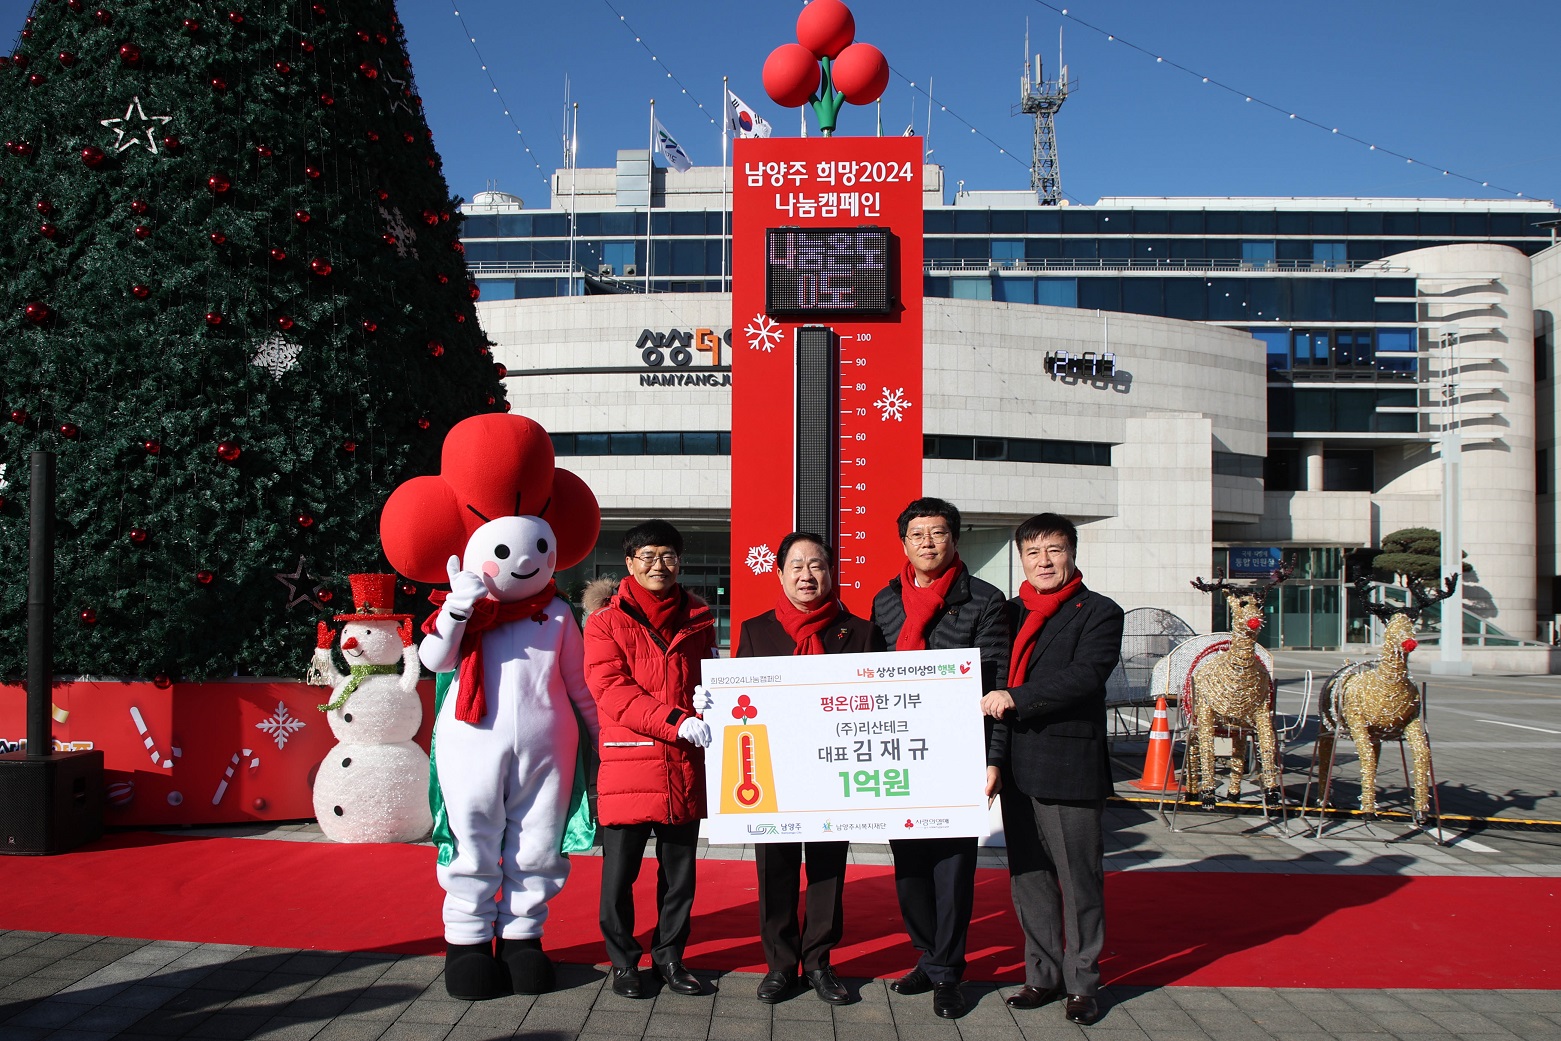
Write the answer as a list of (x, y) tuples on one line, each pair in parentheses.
[(372, 785), (513, 708)]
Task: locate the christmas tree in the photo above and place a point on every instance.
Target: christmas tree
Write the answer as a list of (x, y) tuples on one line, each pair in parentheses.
[(237, 311)]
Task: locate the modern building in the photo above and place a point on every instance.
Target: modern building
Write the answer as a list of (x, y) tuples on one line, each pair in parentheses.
[(1282, 370)]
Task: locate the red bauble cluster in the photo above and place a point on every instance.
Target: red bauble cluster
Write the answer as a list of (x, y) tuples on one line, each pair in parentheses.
[(825, 29), (19, 148), (48, 230), (138, 207)]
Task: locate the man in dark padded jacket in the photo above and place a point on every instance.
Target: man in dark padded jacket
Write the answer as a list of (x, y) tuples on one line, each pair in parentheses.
[(935, 603)]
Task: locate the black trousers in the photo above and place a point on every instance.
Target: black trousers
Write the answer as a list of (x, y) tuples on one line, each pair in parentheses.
[(623, 850), (1056, 863), (780, 873), (935, 880)]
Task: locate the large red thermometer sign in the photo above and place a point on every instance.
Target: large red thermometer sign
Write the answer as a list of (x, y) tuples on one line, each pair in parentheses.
[(827, 366)]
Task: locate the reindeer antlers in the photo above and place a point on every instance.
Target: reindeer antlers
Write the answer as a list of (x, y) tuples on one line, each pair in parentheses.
[(1362, 585), (1259, 589), (1424, 598)]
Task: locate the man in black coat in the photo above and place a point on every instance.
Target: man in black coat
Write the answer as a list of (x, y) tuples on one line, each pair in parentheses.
[(1049, 744), (935, 603)]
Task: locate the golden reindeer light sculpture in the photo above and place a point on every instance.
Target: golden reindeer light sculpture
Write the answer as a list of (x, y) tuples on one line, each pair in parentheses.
[(1234, 690), (1377, 701)]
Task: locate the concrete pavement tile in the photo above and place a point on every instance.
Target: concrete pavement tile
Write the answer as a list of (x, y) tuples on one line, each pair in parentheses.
[(1053, 1027), (886, 1032), (562, 1020), (1141, 997), (144, 995), (164, 1023), (445, 1013), (109, 1017), (1229, 1023), (863, 1013), (930, 1028), (492, 1032), (27, 964), (199, 1000), (1343, 1021), (1467, 1021), (614, 1021), (46, 1013), (414, 1032), (1537, 1000), (741, 1030), (276, 990), (1157, 1021), (663, 1024), (380, 1003), (1292, 1034), (1308, 1000), (351, 1029), (234, 1025), (1525, 1024), (26, 1033), (1373, 1001), (511, 1009), (230, 977), (1426, 1000), (285, 1028), (1110, 1028), (803, 1006), (1258, 999), (1402, 1023), (741, 1005), (313, 1005), (72, 1034), (1201, 999), (29, 988), (801, 1030), (313, 963)]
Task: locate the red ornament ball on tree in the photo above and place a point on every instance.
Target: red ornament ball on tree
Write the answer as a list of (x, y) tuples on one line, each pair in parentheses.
[(349, 446), (19, 148), (372, 136), (791, 75), (301, 216), (19, 416), (456, 246), (409, 138), (173, 144), (860, 73), (325, 596), (138, 206), (36, 79), (204, 577), (129, 53), (442, 278), (37, 312), (213, 318), (191, 25), (327, 100), (69, 431), (473, 291), (219, 184), (278, 254), (388, 239), (435, 349), (48, 230), (236, 17), (825, 28), (45, 207), (228, 451), (138, 536), (75, 5), (363, 37), (67, 59), (162, 681), (369, 326), (422, 423), (218, 83), (284, 322), (407, 589), (304, 520), (430, 217), (152, 446), (88, 616), (318, 9), (217, 238), (306, 46), (264, 151), (282, 68), (320, 266), (102, 17), (19, 60), (140, 292), (368, 71), (142, 231), (500, 369), (312, 172), (93, 156)]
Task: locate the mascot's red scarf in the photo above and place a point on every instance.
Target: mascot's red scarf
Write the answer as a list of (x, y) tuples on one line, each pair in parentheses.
[(1039, 608), (471, 703)]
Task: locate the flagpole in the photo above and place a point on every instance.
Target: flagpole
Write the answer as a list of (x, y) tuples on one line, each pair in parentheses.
[(726, 213), (650, 191), (574, 166)]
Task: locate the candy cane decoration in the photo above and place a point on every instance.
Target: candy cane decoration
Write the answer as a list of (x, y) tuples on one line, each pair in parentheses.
[(146, 738), (222, 786)]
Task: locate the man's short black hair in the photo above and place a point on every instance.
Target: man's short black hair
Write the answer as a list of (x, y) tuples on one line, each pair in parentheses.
[(803, 536), (930, 507), (1047, 524), (652, 533)]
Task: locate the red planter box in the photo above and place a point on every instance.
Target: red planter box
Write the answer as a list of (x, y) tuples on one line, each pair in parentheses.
[(225, 752)]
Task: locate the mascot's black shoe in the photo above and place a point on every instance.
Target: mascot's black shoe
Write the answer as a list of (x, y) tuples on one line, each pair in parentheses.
[(530, 971), (472, 973)]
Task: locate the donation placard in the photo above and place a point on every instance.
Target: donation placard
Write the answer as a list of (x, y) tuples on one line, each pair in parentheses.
[(864, 747)]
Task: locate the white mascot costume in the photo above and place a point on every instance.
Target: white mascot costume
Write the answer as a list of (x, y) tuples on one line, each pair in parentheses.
[(513, 711)]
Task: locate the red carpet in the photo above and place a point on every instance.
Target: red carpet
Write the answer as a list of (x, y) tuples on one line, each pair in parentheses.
[(1185, 927)]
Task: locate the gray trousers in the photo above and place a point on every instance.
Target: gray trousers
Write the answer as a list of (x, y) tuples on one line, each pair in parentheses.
[(1057, 872)]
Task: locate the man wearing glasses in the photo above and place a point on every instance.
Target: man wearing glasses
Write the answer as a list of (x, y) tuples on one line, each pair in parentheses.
[(642, 655), (935, 603)]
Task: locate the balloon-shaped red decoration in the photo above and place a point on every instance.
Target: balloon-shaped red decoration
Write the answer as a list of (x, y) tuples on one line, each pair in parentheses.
[(860, 73), (826, 27), (791, 75)]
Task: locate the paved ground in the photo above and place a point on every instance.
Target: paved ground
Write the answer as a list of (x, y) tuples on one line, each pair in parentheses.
[(1494, 739)]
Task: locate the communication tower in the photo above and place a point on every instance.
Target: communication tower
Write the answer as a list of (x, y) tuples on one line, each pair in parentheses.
[(1042, 98)]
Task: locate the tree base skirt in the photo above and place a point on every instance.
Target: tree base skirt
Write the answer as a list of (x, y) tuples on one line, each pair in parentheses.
[(221, 752)]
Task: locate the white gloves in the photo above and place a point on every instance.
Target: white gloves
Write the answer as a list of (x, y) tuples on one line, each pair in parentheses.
[(695, 731), (466, 588), (704, 701)]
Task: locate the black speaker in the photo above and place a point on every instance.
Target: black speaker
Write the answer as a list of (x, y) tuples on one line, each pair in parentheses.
[(50, 803)]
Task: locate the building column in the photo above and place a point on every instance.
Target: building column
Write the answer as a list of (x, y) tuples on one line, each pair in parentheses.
[(1312, 461)]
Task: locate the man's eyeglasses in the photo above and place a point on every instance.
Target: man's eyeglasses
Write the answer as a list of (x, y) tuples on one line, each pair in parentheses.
[(937, 536), (666, 559)]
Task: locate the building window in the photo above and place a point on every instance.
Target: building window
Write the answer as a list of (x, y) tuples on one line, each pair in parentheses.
[(1057, 292), (618, 256), (970, 288), (1257, 252), (1231, 464), (1396, 351), (1328, 253), (1017, 450), (1349, 471), (1276, 345), (1282, 470), (1007, 249)]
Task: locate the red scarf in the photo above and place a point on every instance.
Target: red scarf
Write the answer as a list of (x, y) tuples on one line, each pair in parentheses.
[(471, 702), (664, 613), (922, 603), (803, 624), (1040, 607)]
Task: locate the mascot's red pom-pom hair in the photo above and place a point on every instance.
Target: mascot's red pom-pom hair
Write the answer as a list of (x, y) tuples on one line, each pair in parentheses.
[(497, 522)]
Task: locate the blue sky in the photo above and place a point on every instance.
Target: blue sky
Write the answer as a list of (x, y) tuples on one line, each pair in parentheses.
[(1467, 88)]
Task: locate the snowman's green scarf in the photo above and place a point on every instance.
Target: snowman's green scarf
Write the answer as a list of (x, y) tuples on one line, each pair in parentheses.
[(579, 830), (359, 674)]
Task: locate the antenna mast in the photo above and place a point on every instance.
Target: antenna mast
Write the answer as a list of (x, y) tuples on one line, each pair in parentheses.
[(1042, 98)]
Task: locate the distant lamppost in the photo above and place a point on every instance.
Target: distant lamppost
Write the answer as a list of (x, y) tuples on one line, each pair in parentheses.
[(1451, 661)]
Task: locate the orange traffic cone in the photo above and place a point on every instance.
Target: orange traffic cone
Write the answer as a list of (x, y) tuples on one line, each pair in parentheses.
[(1158, 775)]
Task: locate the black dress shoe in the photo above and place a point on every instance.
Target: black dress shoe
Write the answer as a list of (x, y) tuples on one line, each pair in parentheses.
[(828, 986), (948, 1001), (775, 985), (626, 981), (914, 982), (678, 979), (1027, 997), (1081, 1009)]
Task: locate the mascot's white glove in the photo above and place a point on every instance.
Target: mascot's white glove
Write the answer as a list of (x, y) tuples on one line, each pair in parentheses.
[(695, 731), (466, 588), (704, 701)]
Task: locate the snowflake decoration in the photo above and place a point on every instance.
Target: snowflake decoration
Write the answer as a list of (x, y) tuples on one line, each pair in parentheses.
[(280, 725), (893, 404), (404, 233), (125, 138), (276, 355), (761, 558), (764, 334)]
